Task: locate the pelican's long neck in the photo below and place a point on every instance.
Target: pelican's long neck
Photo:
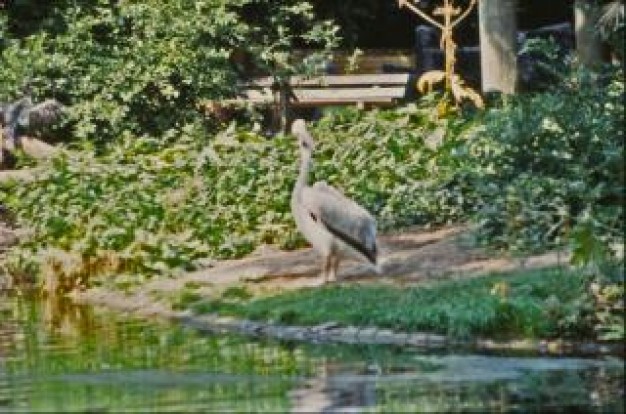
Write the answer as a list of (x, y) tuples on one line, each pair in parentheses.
[(305, 163)]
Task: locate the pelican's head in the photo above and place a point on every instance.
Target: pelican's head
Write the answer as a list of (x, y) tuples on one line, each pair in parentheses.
[(305, 140)]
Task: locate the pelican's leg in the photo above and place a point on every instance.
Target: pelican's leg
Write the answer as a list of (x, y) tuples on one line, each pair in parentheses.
[(326, 267), (334, 265)]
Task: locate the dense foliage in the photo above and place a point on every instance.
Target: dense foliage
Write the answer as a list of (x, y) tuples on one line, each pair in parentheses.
[(554, 177), (137, 68), (152, 207), (552, 161), (534, 171)]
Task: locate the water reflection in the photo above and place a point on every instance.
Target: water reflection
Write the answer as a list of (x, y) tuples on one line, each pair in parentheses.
[(322, 393), (467, 383), (58, 357)]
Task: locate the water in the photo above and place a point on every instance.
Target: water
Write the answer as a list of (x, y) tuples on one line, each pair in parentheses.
[(59, 357)]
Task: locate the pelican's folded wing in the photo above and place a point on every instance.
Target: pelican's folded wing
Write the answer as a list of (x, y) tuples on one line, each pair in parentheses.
[(343, 217)]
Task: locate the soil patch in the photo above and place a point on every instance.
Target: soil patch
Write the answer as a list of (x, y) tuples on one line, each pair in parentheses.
[(411, 257)]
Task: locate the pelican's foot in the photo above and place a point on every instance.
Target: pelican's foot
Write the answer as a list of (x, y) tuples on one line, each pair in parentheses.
[(333, 280), (327, 280)]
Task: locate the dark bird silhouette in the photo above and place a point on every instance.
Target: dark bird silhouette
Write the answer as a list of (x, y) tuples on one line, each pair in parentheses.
[(23, 116)]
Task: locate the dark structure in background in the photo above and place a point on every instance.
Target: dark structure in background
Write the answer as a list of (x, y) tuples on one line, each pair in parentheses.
[(429, 56), (372, 24), (378, 24)]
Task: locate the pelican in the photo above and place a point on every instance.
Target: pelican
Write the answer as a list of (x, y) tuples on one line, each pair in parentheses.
[(23, 115), (331, 222)]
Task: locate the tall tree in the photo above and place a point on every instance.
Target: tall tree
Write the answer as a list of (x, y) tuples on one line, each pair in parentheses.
[(498, 45), (588, 41)]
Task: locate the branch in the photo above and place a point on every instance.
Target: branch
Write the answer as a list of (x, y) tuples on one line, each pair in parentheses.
[(465, 13), (37, 149), (405, 3), (24, 176)]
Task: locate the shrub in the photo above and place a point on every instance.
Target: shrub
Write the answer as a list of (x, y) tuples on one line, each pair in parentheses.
[(136, 68), (552, 159), (406, 165), (161, 207)]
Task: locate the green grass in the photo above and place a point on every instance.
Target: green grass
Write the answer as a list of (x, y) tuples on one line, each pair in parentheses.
[(185, 298), (543, 303)]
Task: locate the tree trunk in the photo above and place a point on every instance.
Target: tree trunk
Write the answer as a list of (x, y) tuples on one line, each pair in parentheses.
[(24, 175), (588, 42), (37, 148), (498, 45), (32, 147)]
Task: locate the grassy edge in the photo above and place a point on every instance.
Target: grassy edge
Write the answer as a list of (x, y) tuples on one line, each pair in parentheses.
[(545, 303)]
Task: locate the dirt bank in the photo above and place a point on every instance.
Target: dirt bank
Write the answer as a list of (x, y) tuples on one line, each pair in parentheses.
[(409, 258)]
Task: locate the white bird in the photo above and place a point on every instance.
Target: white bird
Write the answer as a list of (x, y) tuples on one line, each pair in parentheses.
[(331, 222)]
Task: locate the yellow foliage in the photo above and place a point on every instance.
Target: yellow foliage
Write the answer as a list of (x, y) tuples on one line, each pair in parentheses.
[(457, 86), (65, 271), (501, 289), (460, 92), (427, 80)]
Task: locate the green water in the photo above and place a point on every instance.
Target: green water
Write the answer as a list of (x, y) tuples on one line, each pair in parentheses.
[(59, 357)]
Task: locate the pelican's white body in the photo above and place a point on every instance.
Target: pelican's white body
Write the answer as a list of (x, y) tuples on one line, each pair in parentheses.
[(331, 222)]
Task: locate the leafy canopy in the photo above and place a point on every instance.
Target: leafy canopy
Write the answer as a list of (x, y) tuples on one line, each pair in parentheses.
[(134, 68)]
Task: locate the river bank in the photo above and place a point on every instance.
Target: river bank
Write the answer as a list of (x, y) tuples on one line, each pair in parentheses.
[(332, 332), (412, 259)]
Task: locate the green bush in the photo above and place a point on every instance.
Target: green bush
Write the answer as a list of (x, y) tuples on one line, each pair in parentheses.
[(138, 68), (159, 207), (551, 160), (405, 165)]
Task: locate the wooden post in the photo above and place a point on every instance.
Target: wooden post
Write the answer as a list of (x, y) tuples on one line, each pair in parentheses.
[(498, 45), (283, 95), (284, 107)]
